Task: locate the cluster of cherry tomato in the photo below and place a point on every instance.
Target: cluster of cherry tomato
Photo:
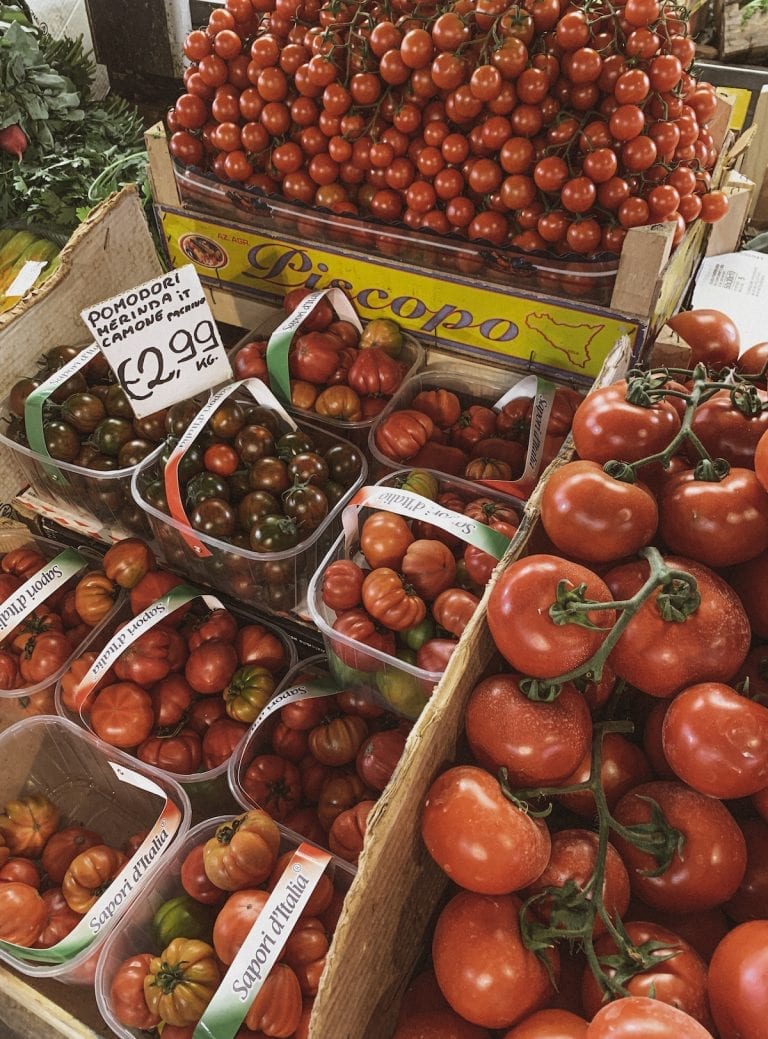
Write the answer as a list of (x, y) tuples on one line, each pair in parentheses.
[(183, 694), (89, 422), (636, 706), (50, 875), (539, 125), (247, 481), (336, 371), (409, 592), (225, 882), (321, 764), (41, 644), (452, 433)]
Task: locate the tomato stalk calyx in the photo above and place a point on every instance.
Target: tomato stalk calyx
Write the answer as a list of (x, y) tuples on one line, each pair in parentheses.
[(678, 599), (621, 471), (656, 837), (169, 976), (523, 805), (571, 606), (711, 471)]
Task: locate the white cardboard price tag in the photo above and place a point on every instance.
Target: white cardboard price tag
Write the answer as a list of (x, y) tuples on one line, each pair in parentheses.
[(160, 340), (26, 277)]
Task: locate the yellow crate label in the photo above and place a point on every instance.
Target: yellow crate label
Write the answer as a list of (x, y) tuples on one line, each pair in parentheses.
[(475, 316), (741, 98)]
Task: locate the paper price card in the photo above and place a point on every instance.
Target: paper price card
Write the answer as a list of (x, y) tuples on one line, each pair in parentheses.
[(160, 340)]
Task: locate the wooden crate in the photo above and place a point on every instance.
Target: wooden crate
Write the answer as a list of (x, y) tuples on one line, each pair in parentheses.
[(741, 38)]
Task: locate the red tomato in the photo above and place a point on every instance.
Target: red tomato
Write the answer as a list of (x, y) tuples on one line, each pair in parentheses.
[(274, 784), (483, 841), (126, 994), (342, 585), (538, 743), (122, 714), (679, 980), (738, 994), (522, 627), (210, 667), (62, 846), (751, 900), (623, 765), (438, 1024), (712, 336), (378, 757), (195, 880), (726, 432), (358, 626), (638, 1017), (591, 516), (550, 1024), (717, 741), (661, 657), (152, 656), (718, 522), (152, 586), (711, 862), (483, 969), (572, 861), (607, 426), (220, 740)]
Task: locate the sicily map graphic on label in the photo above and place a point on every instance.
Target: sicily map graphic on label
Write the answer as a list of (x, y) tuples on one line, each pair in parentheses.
[(573, 339)]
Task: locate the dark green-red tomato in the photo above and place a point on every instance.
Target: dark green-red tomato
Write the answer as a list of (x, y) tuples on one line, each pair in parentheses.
[(334, 492), (58, 356), (239, 485), (589, 515), (152, 427), (307, 505), (205, 485), (104, 464), (259, 415), (110, 435), (343, 463), (84, 411), (274, 534), (61, 440), (270, 475), (254, 506), (182, 917), (134, 451), (308, 467), (227, 420), (191, 461), (293, 443), (215, 517), (253, 443), (154, 495), (74, 384), (179, 416), (117, 403), (19, 393)]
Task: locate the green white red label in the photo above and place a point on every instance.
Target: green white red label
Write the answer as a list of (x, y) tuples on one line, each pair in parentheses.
[(35, 403), (160, 340), (542, 392), (157, 611), (281, 339), (262, 394), (263, 945), (415, 506), (123, 888), (38, 588)]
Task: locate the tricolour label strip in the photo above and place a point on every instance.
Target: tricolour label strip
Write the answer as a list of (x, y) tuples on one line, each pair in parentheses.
[(156, 612), (122, 888), (262, 394), (35, 403), (542, 391), (280, 341), (415, 506), (17, 607), (264, 944)]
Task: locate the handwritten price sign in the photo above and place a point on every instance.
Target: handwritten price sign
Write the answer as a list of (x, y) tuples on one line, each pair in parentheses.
[(160, 340)]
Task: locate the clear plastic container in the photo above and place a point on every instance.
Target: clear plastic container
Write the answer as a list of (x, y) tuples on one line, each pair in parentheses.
[(101, 496), (134, 934), (472, 383), (276, 581), (569, 277), (259, 737), (394, 684), (411, 357), (38, 699), (207, 790), (52, 757)]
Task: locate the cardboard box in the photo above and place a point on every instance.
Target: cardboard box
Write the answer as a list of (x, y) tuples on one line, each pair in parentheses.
[(111, 251)]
